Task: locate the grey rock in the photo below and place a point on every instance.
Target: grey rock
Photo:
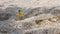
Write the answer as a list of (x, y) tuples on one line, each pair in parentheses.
[(4, 16), (55, 10), (37, 11)]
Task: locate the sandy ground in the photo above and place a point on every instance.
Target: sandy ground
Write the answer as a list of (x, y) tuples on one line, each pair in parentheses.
[(30, 3)]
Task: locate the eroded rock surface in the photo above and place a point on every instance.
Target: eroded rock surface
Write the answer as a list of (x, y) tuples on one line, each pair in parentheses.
[(42, 23)]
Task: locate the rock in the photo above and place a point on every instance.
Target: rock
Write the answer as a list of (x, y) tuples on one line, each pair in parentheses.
[(37, 11), (55, 11), (4, 16)]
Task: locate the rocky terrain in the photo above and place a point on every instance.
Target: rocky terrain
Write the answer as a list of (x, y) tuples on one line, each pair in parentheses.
[(38, 20), (42, 17)]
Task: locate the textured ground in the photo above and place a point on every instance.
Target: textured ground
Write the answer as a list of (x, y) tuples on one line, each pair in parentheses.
[(42, 17), (30, 3)]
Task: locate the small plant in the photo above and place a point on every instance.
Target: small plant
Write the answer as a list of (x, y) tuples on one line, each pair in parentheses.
[(52, 19), (58, 17), (58, 33), (3, 32), (28, 33), (38, 21)]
